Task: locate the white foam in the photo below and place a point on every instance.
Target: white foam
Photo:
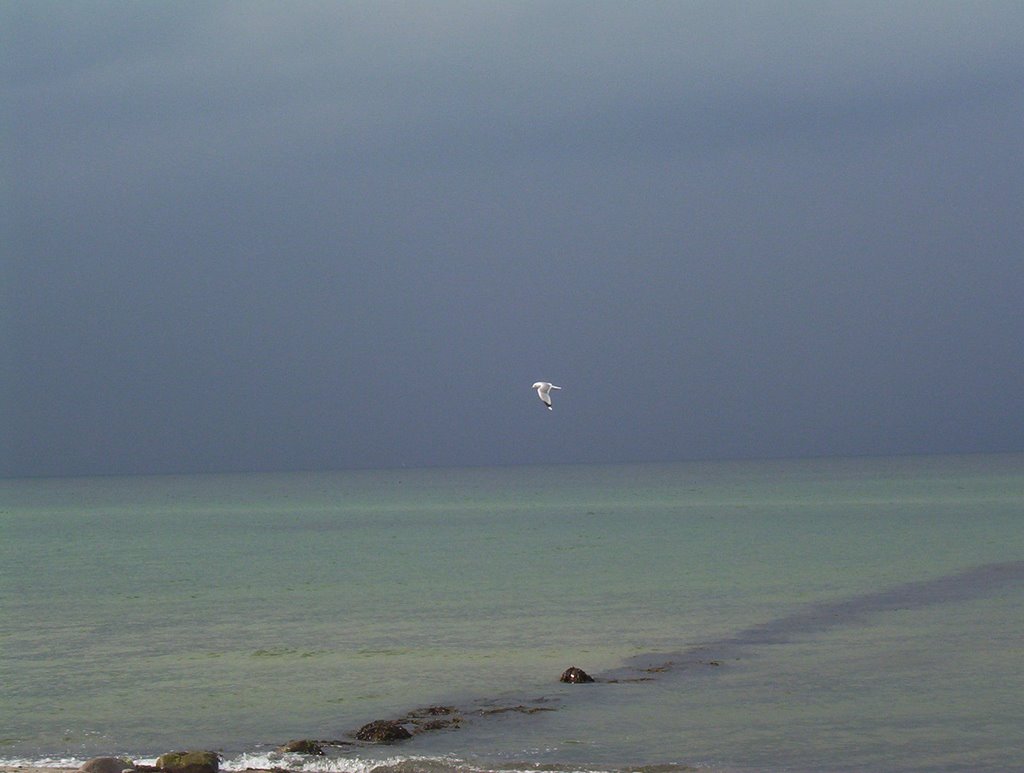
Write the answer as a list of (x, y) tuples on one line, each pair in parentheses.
[(304, 762), (42, 762)]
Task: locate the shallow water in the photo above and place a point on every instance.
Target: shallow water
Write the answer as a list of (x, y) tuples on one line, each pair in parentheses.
[(853, 607)]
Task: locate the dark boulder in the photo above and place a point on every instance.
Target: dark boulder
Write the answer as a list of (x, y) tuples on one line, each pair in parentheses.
[(302, 746), (383, 731), (107, 765), (574, 675), (188, 762)]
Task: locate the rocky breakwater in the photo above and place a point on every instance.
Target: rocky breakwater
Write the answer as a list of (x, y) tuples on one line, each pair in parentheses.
[(380, 731)]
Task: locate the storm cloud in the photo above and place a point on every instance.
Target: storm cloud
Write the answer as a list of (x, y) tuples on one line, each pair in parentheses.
[(251, 236)]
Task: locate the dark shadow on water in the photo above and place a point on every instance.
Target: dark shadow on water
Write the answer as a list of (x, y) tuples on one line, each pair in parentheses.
[(513, 710), (972, 584)]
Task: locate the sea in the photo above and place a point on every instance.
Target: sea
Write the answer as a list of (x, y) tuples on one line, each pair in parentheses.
[(853, 614)]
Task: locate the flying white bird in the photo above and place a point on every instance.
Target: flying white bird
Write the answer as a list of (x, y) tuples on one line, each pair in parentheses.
[(544, 391)]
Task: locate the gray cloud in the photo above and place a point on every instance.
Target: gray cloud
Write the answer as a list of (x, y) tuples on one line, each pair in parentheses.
[(324, 235)]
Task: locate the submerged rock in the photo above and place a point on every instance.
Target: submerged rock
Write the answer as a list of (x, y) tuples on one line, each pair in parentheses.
[(432, 718), (107, 765), (189, 762), (433, 711), (520, 709), (574, 675), (302, 746), (427, 726), (383, 731)]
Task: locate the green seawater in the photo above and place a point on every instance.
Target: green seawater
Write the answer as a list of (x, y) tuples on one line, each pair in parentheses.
[(799, 615)]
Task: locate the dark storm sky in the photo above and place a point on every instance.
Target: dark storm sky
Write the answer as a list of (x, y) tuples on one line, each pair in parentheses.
[(325, 235)]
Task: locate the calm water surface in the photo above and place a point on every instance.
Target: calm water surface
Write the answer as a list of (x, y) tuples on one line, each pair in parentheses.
[(832, 615)]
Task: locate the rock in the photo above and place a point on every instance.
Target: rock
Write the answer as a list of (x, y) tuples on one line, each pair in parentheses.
[(383, 731), (520, 709), (107, 765), (574, 675), (189, 762), (423, 726), (432, 718), (302, 746), (433, 711)]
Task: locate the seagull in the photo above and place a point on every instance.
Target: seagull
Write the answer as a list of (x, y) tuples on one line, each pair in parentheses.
[(543, 391)]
